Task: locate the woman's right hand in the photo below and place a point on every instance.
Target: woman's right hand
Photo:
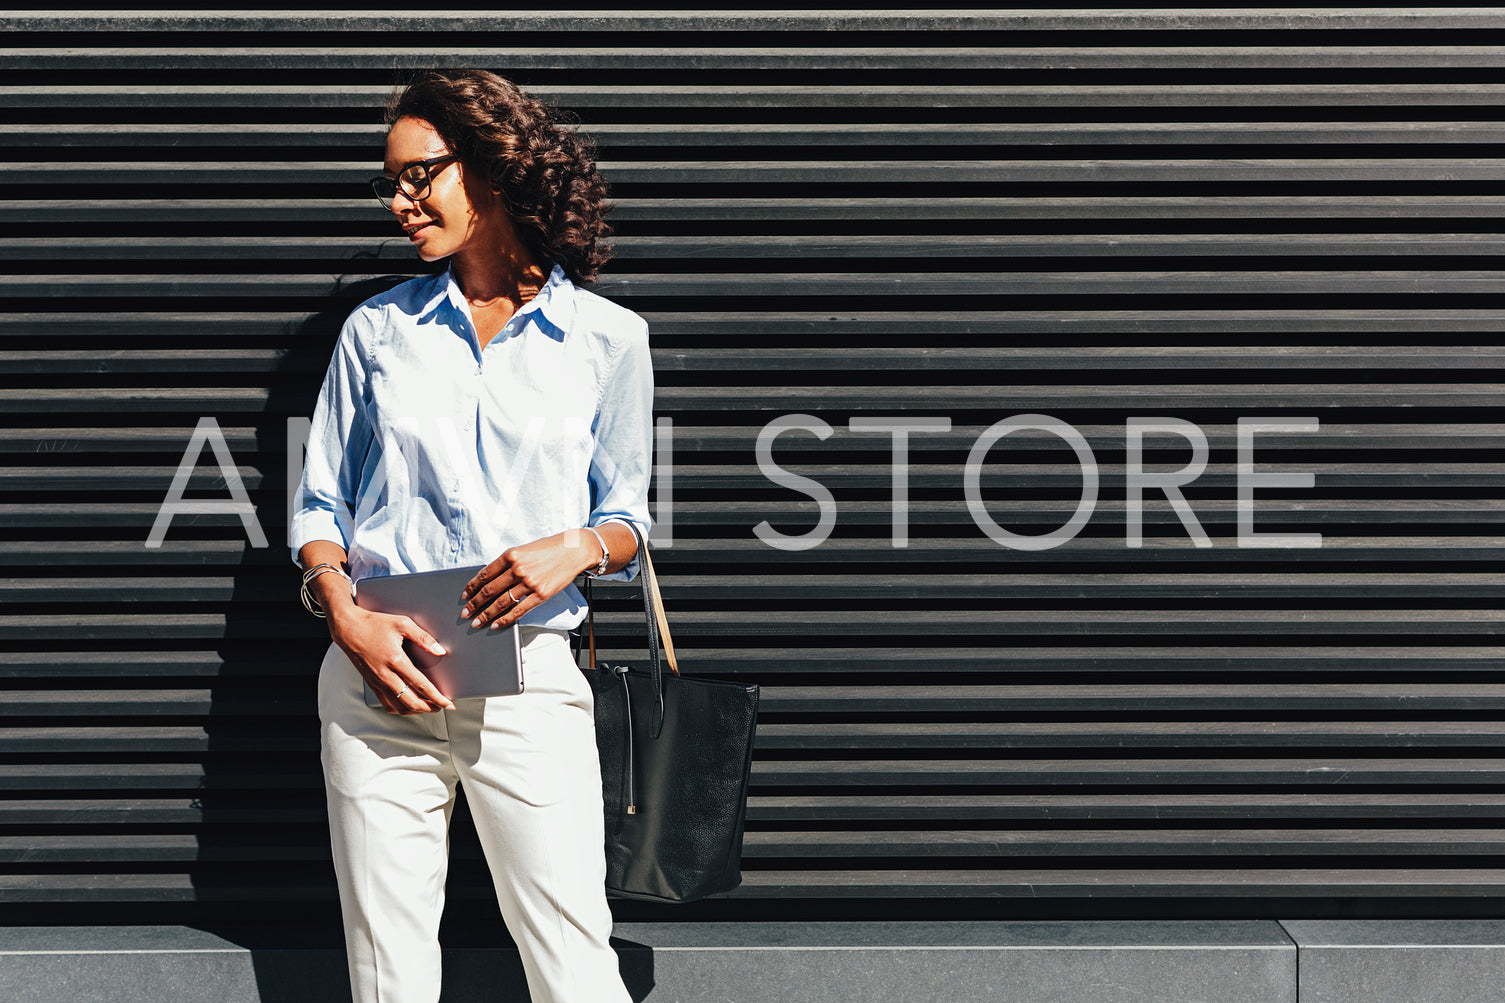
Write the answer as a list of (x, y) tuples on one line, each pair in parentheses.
[(373, 642)]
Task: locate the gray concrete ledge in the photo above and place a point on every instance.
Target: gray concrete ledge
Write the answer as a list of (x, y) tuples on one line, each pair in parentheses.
[(1117, 962), (1231, 962), (1400, 961), (162, 964), (1339, 961)]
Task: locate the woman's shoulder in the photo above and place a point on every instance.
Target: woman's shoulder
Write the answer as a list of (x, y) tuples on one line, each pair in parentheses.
[(411, 297), (607, 321), (401, 305)]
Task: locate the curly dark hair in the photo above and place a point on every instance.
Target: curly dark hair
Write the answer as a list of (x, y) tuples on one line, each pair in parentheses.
[(544, 168)]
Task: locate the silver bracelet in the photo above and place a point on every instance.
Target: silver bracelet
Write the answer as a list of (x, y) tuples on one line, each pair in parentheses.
[(600, 568), (306, 594)]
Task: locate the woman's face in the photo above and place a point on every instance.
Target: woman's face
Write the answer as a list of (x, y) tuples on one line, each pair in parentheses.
[(458, 213)]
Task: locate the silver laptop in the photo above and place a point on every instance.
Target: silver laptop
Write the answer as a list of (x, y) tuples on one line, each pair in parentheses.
[(480, 662)]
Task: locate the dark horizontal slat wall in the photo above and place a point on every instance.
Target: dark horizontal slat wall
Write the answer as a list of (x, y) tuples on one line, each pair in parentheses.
[(1095, 216)]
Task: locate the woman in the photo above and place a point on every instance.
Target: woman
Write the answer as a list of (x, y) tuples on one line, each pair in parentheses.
[(491, 414)]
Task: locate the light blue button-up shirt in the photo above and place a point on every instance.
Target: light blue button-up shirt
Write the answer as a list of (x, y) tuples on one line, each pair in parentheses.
[(429, 452)]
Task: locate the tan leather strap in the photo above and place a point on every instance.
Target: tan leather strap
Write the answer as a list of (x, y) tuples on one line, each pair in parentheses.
[(650, 581), (656, 599), (591, 617)]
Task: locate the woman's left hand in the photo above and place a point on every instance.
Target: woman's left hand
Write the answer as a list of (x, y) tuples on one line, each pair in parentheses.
[(523, 577)]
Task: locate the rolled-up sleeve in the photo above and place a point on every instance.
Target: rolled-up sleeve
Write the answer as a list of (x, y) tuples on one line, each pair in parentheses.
[(338, 441), (623, 458)]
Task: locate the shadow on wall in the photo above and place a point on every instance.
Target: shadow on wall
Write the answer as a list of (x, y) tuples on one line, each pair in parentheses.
[(263, 877)]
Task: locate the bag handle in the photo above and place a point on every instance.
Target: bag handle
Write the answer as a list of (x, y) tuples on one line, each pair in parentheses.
[(656, 622), (657, 606)]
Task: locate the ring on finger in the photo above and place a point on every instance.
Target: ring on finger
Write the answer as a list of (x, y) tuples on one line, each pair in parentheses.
[(512, 597)]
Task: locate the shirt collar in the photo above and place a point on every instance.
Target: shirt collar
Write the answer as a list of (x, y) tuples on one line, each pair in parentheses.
[(554, 304)]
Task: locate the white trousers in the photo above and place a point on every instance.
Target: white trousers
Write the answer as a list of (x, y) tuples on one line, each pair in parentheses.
[(533, 782)]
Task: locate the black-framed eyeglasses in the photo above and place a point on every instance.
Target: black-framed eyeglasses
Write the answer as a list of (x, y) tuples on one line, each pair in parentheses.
[(413, 180)]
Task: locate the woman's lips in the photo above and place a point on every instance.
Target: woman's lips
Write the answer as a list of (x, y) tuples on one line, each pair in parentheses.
[(413, 232)]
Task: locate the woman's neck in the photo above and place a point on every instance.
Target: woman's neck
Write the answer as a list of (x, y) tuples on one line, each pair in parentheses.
[(496, 272), (494, 278), (498, 277)]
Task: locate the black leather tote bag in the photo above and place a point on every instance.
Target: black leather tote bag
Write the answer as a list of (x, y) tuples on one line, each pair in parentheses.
[(676, 754)]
